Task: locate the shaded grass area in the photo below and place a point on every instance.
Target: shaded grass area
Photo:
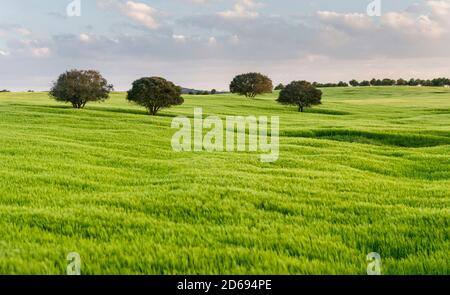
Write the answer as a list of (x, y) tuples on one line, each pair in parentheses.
[(368, 171), (326, 112), (377, 138)]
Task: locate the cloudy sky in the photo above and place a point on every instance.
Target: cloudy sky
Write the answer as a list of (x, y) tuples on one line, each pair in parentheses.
[(204, 43)]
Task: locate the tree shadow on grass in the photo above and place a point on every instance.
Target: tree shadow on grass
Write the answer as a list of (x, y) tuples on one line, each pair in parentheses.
[(90, 108), (375, 138), (327, 112), (127, 111), (439, 111)]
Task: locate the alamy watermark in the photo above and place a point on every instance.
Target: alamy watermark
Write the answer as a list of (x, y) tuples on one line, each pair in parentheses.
[(190, 135), (74, 8), (374, 8), (374, 264), (73, 264)]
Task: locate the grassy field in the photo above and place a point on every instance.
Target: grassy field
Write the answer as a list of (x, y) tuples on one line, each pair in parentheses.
[(367, 171)]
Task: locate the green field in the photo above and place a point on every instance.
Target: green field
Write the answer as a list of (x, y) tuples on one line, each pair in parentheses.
[(367, 171)]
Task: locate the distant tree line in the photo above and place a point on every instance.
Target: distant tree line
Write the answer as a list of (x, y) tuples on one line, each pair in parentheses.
[(437, 82), (279, 87), (325, 85), (200, 92)]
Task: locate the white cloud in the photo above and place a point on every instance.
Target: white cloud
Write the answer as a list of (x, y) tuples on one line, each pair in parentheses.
[(234, 39), (84, 37), (142, 13), (347, 20), (23, 31), (410, 24), (439, 8), (137, 11), (430, 20), (212, 40), (199, 1), (179, 38), (242, 9), (40, 52)]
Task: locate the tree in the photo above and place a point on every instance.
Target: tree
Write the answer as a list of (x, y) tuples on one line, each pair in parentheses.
[(413, 82), (326, 85), (354, 83), (364, 83), (388, 82), (342, 84), (401, 82), (155, 93), (420, 82), (251, 84), (213, 91), (440, 82), (279, 87), (300, 93), (80, 87), (376, 82)]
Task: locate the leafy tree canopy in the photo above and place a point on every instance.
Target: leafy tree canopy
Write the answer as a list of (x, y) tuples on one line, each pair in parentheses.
[(300, 93), (80, 87), (155, 93), (251, 84)]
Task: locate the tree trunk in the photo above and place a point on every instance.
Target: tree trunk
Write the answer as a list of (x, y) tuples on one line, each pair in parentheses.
[(300, 109)]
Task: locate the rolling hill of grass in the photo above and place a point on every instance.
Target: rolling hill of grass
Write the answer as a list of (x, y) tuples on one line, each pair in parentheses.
[(367, 171)]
